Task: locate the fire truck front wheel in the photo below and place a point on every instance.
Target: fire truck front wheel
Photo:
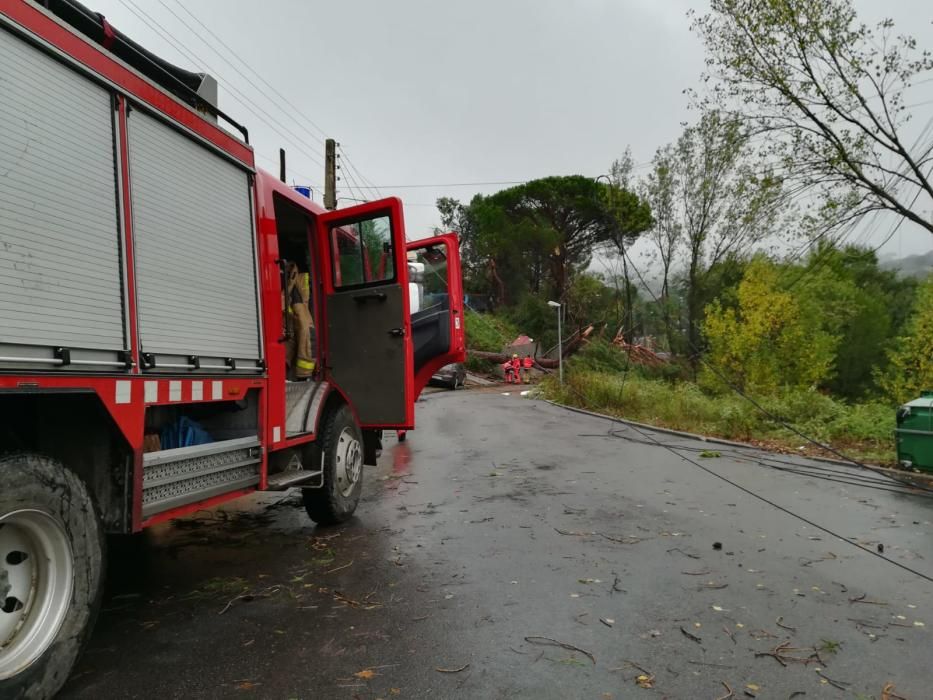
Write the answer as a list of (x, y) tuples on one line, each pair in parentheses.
[(342, 444), (51, 572)]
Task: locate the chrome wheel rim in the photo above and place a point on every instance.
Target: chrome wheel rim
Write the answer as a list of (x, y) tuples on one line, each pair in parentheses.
[(349, 461), (36, 581)]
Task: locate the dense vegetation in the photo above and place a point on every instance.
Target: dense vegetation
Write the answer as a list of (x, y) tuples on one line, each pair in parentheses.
[(753, 285)]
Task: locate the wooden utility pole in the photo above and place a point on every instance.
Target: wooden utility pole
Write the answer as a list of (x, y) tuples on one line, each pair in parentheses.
[(330, 174)]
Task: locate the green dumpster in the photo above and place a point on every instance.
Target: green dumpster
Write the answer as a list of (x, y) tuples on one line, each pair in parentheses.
[(914, 433)]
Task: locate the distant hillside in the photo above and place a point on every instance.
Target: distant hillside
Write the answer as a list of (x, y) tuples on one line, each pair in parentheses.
[(910, 266)]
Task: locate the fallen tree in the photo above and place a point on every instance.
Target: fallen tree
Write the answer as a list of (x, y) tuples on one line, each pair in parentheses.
[(501, 358), (639, 354), (571, 346)]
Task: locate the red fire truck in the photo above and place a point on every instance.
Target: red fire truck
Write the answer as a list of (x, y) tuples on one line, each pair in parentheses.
[(146, 347)]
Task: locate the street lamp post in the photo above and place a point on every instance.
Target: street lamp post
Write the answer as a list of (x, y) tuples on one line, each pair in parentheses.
[(560, 343)]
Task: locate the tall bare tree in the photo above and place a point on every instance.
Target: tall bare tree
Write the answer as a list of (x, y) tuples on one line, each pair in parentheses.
[(659, 190), (630, 216), (828, 94), (725, 205)]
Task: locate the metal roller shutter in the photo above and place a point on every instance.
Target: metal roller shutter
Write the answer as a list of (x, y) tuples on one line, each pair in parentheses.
[(193, 233), (60, 263)]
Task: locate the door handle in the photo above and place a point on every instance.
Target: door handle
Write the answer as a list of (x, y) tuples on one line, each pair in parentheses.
[(397, 332), (375, 296)]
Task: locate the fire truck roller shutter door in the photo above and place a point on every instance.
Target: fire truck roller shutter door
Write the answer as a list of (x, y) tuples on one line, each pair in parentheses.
[(60, 267), (195, 265)]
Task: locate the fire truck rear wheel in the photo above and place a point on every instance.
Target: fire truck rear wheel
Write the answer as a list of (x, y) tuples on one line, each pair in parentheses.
[(342, 444), (51, 573)]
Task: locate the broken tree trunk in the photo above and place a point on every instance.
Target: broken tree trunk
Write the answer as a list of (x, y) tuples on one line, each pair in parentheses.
[(542, 362), (501, 357)]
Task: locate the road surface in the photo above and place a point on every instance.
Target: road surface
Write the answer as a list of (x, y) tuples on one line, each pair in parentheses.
[(502, 524)]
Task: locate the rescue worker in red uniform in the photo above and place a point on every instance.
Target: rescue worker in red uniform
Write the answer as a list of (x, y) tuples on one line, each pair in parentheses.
[(507, 371), (516, 368), (527, 364)]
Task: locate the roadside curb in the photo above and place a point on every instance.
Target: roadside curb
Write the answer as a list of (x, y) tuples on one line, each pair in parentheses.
[(890, 473), (667, 431)]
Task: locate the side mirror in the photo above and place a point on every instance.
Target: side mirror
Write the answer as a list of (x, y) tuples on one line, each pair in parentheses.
[(434, 255)]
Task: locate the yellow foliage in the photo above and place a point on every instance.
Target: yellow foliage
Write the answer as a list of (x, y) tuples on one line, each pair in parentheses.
[(911, 359), (770, 341)]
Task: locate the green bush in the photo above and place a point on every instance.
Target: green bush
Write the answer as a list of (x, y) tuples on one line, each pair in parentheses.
[(599, 355), (863, 431), (487, 332)]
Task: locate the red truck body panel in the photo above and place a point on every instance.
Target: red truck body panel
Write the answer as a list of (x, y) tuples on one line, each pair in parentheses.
[(127, 393)]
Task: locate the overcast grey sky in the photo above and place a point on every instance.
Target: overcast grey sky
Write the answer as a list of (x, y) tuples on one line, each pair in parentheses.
[(429, 92)]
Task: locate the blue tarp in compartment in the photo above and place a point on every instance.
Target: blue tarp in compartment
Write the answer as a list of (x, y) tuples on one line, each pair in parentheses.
[(184, 433)]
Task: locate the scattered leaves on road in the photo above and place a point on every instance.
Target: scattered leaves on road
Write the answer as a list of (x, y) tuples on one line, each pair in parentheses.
[(452, 670), (548, 641), (887, 692), (644, 681), (691, 637)]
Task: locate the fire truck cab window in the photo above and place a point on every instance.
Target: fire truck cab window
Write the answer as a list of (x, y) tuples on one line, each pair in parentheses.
[(363, 252), (429, 303)]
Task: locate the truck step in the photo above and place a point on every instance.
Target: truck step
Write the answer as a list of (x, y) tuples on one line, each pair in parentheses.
[(293, 477), (177, 477)]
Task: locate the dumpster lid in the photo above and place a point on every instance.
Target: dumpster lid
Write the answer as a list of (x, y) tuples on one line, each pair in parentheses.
[(922, 402)]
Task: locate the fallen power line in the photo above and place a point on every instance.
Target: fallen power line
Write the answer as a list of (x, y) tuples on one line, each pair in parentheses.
[(678, 450), (837, 474)]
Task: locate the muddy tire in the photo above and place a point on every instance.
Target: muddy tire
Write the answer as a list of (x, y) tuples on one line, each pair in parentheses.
[(51, 574), (342, 446)]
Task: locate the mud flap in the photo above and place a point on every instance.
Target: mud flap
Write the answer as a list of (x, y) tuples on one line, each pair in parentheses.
[(372, 446)]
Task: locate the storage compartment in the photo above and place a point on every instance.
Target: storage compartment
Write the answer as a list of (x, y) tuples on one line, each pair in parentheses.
[(196, 290), (196, 451), (203, 422), (61, 287)]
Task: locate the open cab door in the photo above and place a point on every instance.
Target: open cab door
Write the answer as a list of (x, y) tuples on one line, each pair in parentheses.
[(435, 290), (367, 341)]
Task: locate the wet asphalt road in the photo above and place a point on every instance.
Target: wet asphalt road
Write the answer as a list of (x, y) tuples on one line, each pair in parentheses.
[(503, 519)]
